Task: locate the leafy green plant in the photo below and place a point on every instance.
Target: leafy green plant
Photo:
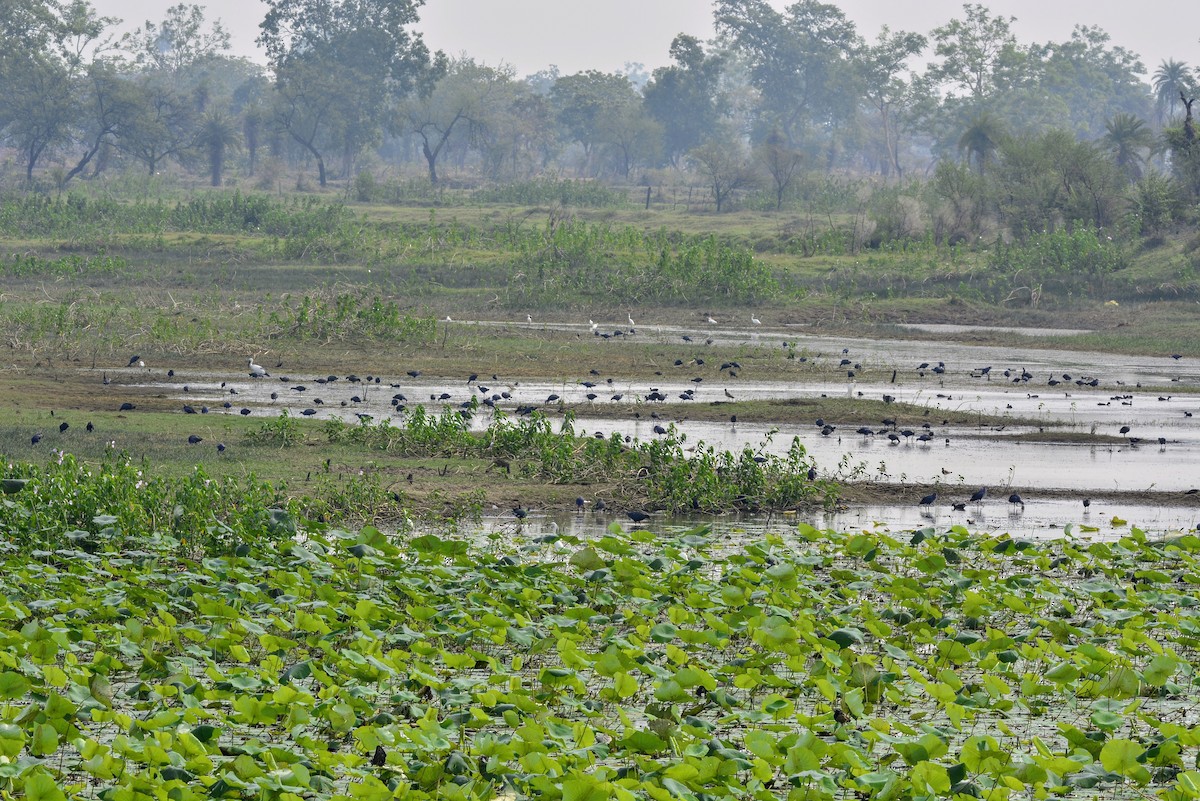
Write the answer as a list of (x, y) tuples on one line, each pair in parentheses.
[(283, 431)]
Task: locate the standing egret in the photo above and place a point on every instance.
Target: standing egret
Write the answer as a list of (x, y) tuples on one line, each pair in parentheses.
[(529, 319), (593, 324), (256, 370), (630, 317), (755, 320)]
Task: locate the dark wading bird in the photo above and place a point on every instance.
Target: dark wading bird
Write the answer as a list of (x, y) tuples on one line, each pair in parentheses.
[(637, 515), (928, 499), (979, 495), (1015, 500)]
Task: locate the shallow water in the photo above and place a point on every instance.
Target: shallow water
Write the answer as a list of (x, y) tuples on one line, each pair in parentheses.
[(951, 328), (1151, 395), (1039, 519)]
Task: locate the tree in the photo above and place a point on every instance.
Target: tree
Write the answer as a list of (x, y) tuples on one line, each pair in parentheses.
[(881, 66), (469, 94), (41, 102), (1093, 80), (218, 133), (982, 137), (800, 62), (106, 100), (251, 101), (1128, 139), (685, 97), (1051, 180), (336, 64), (976, 53), (585, 104), (177, 42), (162, 124), (631, 137), (520, 139), (1170, 80), (1184, 147), (725, 165), (47, 48), (780, 162), (960, 201)]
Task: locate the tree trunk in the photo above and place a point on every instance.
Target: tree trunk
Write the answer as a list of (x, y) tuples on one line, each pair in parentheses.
[(315, 154), (83, 162), (431, 157), (217, 162)]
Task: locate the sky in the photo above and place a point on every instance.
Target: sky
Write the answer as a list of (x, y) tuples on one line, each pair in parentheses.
[(575, 35)]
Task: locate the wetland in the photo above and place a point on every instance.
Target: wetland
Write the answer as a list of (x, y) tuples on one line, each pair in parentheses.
[(617, 537)]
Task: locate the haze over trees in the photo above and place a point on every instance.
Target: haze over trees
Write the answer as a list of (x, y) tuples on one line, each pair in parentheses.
[(981, 131)]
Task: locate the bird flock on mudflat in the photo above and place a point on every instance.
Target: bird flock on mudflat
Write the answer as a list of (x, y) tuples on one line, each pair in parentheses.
[(692, 373)]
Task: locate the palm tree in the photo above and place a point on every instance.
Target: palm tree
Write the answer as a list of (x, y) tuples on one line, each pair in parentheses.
[(1128, 139), (981, 139), (217, 134), (1170, 79)]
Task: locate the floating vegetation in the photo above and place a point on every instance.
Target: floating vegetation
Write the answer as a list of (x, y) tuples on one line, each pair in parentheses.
[(807, 664)]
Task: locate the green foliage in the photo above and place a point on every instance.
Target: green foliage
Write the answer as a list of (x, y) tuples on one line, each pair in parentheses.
[(666, 474), (19, 265), (1156, 205), (74, 216), (635, 665), (282, 431), (1185, 160), (1082, 252), (571, 260), (352, 316), (551, 191), (117, 504)]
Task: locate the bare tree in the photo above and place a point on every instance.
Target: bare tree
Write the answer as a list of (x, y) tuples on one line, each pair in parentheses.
[(726, 167)]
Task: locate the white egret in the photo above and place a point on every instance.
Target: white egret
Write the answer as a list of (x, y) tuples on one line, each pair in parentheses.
[(631, 323), (256, 370), (711, 321), (755, 320)]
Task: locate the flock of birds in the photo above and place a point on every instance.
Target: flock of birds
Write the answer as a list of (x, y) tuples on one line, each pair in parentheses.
[(595, 388), (1014, 499)]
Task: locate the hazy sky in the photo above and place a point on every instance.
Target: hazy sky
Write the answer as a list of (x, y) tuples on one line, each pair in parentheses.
[(604, 34)]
